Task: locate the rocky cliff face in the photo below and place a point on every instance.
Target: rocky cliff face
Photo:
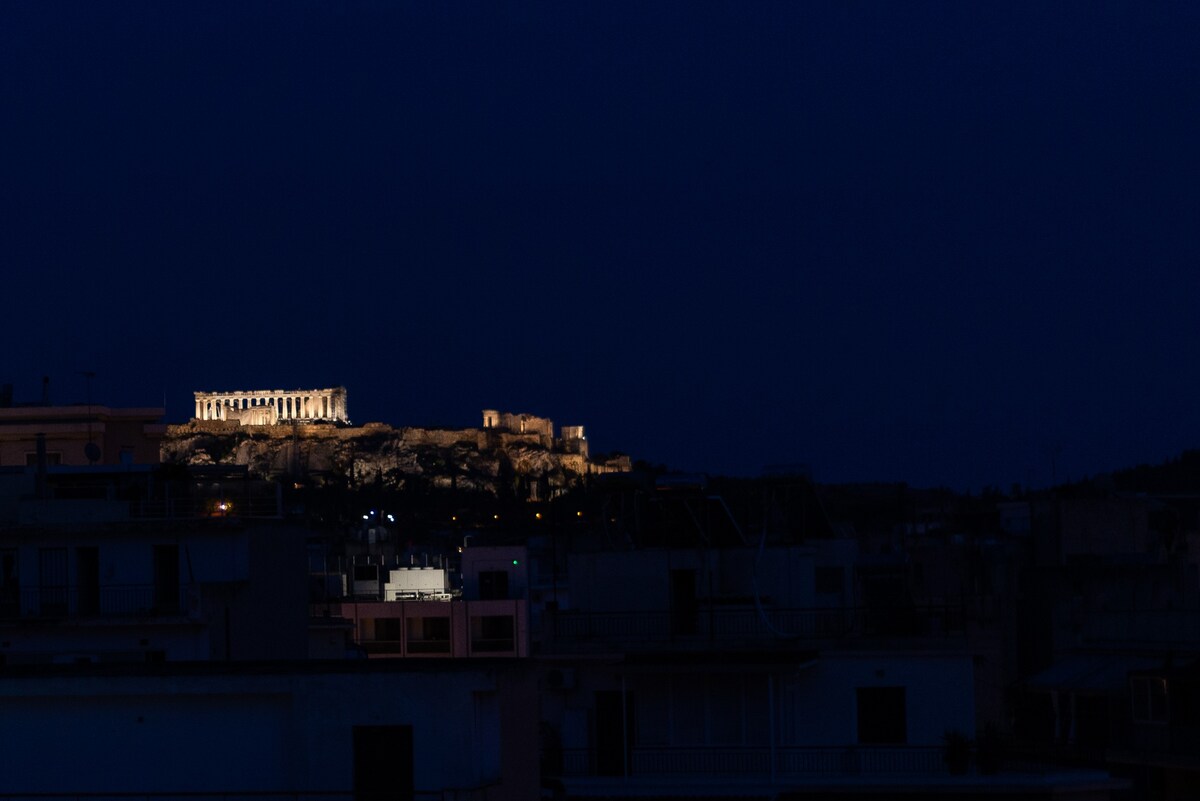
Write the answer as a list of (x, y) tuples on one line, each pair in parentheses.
[(471, 459)]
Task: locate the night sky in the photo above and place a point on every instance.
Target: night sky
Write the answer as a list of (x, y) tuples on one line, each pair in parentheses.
[(944, 243)]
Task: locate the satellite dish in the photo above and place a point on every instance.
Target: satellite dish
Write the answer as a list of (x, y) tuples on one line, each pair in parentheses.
[(92, 452)]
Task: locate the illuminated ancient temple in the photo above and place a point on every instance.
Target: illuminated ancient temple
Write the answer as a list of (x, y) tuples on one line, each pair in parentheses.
[(272, 406)]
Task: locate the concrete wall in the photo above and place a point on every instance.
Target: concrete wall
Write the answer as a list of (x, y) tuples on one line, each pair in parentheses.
[(513, 560), (129, 436), (243, 594), (723, 704), (640, 580), (819, 704), (285, 731)]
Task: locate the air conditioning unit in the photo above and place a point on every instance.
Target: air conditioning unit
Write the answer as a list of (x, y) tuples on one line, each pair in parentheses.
[(560, 679)]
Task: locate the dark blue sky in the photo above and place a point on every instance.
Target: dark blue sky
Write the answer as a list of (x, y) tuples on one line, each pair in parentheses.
[(933, 242)]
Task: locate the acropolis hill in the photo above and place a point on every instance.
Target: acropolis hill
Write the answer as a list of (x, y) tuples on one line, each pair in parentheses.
[(306, 433)]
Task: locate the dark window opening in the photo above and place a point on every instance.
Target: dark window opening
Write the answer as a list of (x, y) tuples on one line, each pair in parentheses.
[(87, 568), (10, 584), (429, 635), (493, 585), (52, 581), (166, 579), (684, 607), (383, 763), (492, 633), (387, 629), (882, 716), (829, 580), (1149, 695)]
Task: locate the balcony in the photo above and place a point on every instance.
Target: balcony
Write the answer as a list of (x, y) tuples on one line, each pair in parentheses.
[(733, 625), (1162, 628), (758, 762), (107, 601), (434, 628)]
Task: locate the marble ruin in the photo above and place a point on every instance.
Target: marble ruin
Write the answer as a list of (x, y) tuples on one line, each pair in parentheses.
[(571, 441), (273, 406)]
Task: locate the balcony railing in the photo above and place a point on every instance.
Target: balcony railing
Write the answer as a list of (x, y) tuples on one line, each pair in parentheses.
[(105, 601), (1163, 627), (732, 624), (760, 761)]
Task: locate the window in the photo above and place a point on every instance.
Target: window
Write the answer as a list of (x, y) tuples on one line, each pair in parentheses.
[(52, 581), (166, 579), (492, 633), (1149, 696), (829, 580), (52, 458), (428, 635), (387, 629), (493, 585), (882, 716), (10, 583)]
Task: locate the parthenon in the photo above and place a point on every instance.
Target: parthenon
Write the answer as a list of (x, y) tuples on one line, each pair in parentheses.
[(271, 406)]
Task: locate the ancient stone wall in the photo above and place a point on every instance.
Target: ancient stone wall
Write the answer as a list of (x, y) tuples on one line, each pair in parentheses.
[(519, 423)]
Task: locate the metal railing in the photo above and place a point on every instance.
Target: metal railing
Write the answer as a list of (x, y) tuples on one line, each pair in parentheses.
[(721, 623), (104, 601), (756, 761), (491, 645), (480, 793), (1142, 626), (222, 795)]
